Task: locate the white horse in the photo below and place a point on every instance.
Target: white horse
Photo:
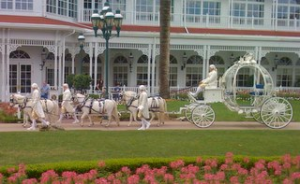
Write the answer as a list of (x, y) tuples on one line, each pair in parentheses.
[(96, 107), (50, 108), (157, 106)]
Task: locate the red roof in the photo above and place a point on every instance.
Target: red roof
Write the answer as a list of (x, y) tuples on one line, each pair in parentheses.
[(139, 28)]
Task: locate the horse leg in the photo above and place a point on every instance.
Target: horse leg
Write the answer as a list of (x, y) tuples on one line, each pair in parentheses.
[(82, 118), (91, 121), (75, 118)]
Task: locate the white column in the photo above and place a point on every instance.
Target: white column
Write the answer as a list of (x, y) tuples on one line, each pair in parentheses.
[(96, 64), (55, 67), (60, 69), (2, 50)]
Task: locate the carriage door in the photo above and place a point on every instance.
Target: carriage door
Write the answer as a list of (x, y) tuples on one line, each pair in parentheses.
[(20, 78)]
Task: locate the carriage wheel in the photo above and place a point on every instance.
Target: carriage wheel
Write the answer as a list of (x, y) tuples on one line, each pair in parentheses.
[(188, 114), (276, 112), (257, 117), (203, 116)]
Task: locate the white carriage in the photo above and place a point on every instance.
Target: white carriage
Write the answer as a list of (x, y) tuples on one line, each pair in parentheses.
[(264, 106)]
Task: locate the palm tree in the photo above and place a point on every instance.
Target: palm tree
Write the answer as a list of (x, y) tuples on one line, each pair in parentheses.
[(164, 62)]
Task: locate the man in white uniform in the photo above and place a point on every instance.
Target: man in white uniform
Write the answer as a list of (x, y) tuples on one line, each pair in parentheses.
[(143, 110), (37, 109), (211, 81), (66, 105)]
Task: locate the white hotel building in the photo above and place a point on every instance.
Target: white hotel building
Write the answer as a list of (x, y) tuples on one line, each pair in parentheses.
[(203, 32)]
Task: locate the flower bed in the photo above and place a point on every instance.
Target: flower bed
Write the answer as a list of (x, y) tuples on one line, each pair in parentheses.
[(8, 113), (203, 171)]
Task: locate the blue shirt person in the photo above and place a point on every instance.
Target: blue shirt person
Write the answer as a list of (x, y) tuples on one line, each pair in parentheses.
[(45, 91)]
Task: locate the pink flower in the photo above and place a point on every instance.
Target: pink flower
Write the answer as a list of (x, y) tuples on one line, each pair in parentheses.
[(126, 170), (101, 181), (101, 164), (295, 175), (198, 160), (168, 178), (133, 179), (246, 160), (234, 180), (177, 164), (30, 181), (207, 168)]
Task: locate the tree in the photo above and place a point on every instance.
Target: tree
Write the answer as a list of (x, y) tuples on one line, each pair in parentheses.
[(164, 61), (79, 82)]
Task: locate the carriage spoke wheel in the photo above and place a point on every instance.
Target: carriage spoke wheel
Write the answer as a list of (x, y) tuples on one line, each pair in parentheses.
[(188, 114), (203, 116), (257, 117), (276, 112)]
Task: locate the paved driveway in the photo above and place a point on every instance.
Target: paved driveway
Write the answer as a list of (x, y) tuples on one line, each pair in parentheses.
[(170, 124)]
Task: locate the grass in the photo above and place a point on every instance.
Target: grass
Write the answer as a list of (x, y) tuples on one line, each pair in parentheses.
[(58, 146)]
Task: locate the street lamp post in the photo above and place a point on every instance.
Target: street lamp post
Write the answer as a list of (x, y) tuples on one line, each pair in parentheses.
[(81, 39), (105, 21)]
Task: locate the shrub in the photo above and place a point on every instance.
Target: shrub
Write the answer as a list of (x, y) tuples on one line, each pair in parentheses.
[(8, 113), (226, 169)]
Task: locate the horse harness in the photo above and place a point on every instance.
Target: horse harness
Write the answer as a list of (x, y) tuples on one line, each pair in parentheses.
[(90, 106), (153, 107)]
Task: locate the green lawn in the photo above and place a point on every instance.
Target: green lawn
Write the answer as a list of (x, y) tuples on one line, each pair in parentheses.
[(58, 146)]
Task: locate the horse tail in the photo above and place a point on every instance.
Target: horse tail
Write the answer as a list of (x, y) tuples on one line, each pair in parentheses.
[(115, 111)]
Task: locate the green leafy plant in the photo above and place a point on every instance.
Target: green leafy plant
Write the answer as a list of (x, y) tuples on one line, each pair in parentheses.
[(82, 82), (70, 80)]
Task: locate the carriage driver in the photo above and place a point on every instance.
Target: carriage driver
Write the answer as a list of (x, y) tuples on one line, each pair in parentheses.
[(37, 109), (66, 105), (211, 81), (143, 110)]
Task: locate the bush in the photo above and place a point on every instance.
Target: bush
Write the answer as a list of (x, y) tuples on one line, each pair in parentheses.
[(8, 113), (223, 169)]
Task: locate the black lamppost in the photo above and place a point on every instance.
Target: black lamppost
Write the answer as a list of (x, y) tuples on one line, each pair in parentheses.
[(81, 39), (105, 21)]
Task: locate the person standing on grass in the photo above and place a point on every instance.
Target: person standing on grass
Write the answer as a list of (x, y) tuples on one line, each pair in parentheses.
[(37, 109), (143, 111), (66, 105)]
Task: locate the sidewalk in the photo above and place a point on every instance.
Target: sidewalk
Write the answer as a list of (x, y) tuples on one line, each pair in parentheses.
[(170, 124)]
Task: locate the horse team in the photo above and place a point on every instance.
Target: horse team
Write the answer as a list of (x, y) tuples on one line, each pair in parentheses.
[(87, 107)]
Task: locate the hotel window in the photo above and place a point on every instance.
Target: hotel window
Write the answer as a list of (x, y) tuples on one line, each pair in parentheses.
[(195, 9), (6, 4), (173, 71), (148, 10), (24, 4), (245, 11), (73, 8), (288, 12), (142, 70), (118, 5), (51, 6), (284, 72), (194, 70), (120, 71), (62, 7), (211, 8)]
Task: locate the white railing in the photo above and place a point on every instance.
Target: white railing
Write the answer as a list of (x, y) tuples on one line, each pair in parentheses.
[(208, 21)]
